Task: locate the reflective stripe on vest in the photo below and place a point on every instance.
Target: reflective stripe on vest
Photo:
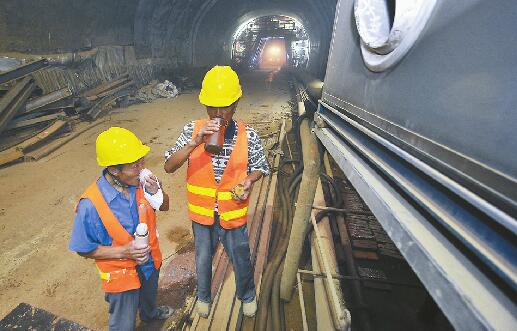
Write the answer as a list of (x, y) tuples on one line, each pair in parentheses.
[(119, 275), (209, 192), (225, 216), (203, 191)]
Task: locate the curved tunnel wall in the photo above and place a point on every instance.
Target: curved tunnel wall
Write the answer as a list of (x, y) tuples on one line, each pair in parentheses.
[(63, 26), (211, 40), (186, 32)]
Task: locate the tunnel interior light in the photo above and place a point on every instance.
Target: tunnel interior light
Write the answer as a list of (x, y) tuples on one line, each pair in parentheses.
[(280, 40)]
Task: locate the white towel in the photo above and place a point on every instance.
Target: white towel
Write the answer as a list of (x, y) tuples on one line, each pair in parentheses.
[(155, 200)]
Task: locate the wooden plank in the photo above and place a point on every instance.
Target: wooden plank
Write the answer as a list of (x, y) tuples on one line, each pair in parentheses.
[(263, 247), (332, 287), (365, 244), (365, 255), (34, 121), (236, 316), (222, 312), (225, 304), (42, 136), (204, 323), (18, 150), (229, 305), (106, 86), (47, 99), (10, 155), (13, 101), (323, 314), (58, 143)]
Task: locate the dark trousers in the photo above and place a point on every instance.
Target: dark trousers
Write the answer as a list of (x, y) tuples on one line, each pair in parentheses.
[(236, 244), (124, 305)]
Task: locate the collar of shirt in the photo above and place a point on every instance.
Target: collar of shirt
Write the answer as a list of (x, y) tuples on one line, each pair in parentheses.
[(230, 130), (110, 193)]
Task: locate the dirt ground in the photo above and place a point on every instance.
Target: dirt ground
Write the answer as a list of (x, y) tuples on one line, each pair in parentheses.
[(37, 202)]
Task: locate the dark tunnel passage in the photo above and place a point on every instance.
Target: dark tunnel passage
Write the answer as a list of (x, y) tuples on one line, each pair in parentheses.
[(175, 34)]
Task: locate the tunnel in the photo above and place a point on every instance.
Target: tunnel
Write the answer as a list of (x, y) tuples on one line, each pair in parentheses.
[(258, 165), (177, 34)]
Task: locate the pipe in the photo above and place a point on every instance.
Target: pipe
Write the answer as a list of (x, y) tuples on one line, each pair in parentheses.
[(310, 176), (325, 251), (323, 314), (341, 317), (264, 317), (302, 302), (364, 317)]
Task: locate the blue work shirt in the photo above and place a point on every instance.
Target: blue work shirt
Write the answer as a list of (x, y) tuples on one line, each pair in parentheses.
[(89, 231)]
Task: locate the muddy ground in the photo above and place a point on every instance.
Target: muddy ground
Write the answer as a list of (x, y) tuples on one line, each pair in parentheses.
[(37, 202)]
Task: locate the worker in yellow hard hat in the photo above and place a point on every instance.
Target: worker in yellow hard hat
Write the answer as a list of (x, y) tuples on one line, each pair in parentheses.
[(218, 186), (119, 203)]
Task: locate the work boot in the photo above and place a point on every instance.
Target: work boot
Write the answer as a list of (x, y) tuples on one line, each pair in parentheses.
[(249, 308), (164, 312), (203, 309)]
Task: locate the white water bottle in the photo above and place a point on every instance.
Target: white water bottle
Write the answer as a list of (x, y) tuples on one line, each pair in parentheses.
[(141, 237)]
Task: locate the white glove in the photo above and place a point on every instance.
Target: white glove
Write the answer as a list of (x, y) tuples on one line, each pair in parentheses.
[(156, 199)]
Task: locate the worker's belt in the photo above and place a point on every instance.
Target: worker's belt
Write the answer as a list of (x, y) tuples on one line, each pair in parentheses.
[(225, 216), (112, 275), (209, 192)]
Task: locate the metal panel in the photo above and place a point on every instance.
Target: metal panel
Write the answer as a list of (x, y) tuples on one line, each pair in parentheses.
[(450, 101)]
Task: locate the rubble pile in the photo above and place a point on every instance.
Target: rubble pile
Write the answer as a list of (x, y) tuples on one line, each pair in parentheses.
[(31, 113)]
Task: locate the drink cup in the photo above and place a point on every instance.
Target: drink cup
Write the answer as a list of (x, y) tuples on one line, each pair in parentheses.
[(214, 142)]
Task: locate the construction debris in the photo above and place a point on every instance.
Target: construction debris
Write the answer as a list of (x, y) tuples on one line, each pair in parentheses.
[(166, 90), (155, 90), (23, 71), (13, 101), (39, 96)]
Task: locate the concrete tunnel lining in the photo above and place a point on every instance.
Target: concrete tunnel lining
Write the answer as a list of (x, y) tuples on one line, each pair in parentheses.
[(174, 31)]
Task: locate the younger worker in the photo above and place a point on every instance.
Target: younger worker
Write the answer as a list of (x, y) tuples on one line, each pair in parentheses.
[(215, 212), (107, 216)]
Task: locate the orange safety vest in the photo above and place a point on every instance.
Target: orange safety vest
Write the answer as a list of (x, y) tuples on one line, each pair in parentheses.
[(203, 191), (119, 275)]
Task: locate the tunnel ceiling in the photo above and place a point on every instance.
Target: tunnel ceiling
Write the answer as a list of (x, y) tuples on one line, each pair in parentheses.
[(199, 32), (192, 32)]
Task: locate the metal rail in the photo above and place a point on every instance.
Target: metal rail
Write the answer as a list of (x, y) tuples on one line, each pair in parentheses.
[(23, 71), (13, 101)]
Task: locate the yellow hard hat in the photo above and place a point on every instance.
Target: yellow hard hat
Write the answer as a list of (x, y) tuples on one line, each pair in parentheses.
[(119, 146), (220, 87)]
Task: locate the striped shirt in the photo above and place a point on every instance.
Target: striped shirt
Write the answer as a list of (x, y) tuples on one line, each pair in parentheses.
[(256, 158)]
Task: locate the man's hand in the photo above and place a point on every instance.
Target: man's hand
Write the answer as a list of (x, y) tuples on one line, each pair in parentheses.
[(210, 127), (177, 159), (247, 185), (138, 253), (152, 184)]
